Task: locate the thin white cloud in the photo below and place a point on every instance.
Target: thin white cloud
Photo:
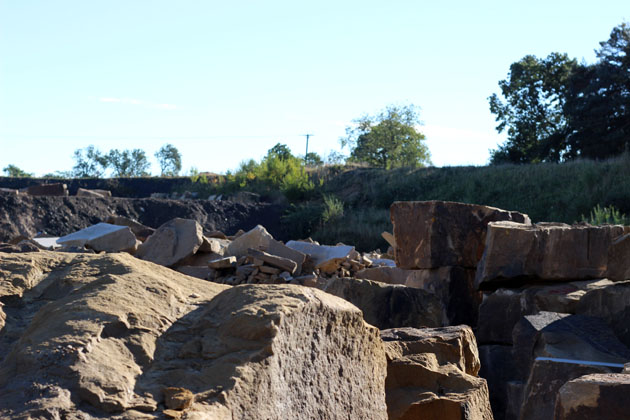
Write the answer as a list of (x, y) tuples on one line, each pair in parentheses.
[(130, 101)]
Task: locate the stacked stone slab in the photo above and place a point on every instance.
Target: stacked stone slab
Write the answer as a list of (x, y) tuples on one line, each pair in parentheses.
[(440, 244), (552, 291)]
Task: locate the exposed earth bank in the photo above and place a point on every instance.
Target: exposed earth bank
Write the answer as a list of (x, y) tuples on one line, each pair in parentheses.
[(58, 216)]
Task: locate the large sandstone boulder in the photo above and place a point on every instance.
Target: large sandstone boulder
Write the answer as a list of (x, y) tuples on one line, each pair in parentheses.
[(454, 286), (387, 305), (57, 189), (111, 336), (274, 352), (432, 234), (431, 374), (596, 396), (551, 251), (80, 329), (172, 242)]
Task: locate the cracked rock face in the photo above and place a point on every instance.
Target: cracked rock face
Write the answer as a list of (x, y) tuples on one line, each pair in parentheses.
[(103, 336)]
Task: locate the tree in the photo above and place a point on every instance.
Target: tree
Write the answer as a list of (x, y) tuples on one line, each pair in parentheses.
[(598, 105), (128, 163), (170, 160), (313, 159), (89, 163), (15, 172), (282, 151), (388, 140), (535, 93)]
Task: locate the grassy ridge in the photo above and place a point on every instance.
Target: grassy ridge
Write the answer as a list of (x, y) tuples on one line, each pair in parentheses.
[(546, 192)]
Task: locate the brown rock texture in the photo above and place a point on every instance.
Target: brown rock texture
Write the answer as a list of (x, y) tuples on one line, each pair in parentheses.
[(596, 396), (172, 242), (433, 234), (551, 251), (102, 336), (431, 374)]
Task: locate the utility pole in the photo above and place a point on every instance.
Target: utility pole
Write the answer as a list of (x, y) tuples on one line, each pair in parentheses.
[(305, 154)]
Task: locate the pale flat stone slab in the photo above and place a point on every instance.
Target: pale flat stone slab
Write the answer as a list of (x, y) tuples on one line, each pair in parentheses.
[(101, 237), (326, 258)]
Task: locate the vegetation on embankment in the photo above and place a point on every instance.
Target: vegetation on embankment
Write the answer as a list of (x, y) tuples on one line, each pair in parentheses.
[(351, 204)]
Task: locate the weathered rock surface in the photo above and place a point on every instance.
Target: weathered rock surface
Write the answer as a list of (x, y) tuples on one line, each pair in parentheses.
[(172, 242), (502, 309), (101, 237), (550, 251), (48, 189), (389, 306), (95, 336), (433, 234), (453, 285), (431, 374), (612, 304), (564, 336), (141, 231), (543, 384), (497, 368), (596, 396)]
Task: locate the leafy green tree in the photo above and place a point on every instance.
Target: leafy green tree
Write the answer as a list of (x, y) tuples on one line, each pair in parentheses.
[(388, 140), (128, 163), (170, 160), (282, 151), (15, 172), (598, 105), (532, 113), (313, 159), (89, 163)]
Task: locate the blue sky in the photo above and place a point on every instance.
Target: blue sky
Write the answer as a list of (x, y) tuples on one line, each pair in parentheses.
[(224, 81)]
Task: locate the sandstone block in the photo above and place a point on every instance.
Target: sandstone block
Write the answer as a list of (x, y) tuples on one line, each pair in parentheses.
[(548, 251), (431, 375), (141, 231), (48, 189), (454, 286), (101, 237), (389, 306), (82, 192), (595, 396), (172, 242), (432, 234)]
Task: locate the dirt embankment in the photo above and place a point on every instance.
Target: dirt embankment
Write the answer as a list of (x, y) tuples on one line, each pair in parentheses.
[(27, 215)]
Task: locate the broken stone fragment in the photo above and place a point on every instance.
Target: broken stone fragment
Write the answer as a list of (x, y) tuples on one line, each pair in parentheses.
[(226, 262), (178, 398), (326, 258), (433, 234), (101, 237), (82, 192), (274, 260), (172, 242)]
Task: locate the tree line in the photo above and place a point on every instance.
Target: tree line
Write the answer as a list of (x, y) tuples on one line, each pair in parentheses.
[(555, 109)]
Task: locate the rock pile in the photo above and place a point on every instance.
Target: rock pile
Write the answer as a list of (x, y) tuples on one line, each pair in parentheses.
[(198, 324), (99, 333)]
